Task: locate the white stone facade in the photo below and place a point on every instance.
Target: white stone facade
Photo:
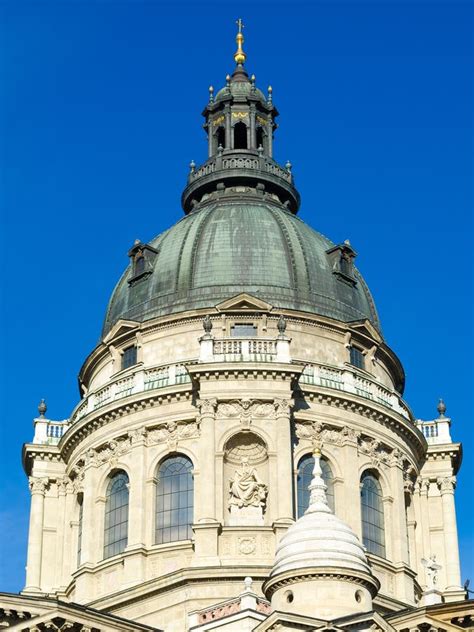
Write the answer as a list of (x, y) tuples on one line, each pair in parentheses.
[(218, 400)]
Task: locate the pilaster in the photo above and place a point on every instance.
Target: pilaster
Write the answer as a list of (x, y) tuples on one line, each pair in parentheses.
[(446, 487), (38, 488)]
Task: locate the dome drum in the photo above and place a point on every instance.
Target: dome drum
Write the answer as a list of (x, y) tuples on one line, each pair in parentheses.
[(240, 167)]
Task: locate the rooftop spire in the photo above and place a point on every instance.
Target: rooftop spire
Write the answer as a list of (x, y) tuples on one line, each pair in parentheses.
[(240, 56), (318, 500)]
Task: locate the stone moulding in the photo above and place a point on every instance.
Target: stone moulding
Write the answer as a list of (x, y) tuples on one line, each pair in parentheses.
[(118, 409), (295, 576), (409, 433)]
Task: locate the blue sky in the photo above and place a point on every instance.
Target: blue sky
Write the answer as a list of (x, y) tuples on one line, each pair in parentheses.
[(101, 116)]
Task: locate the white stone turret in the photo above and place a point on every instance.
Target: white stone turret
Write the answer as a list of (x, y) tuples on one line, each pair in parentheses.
[(320, 565)]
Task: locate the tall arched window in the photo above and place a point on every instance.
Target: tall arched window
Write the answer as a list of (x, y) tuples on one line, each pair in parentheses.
[(305, 474), (116, 515), (373, 527), (80, 502), (174, 500), (220, 136), (240, 135)]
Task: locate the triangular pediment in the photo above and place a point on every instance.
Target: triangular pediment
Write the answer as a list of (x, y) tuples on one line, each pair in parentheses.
[(366, 327), (243, 302), (120, 328)]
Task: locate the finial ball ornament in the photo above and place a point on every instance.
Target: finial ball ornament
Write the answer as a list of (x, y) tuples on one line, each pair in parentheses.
[(441, 408), (42, 408)]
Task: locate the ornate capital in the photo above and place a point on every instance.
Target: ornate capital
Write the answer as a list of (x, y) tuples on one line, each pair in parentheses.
[(138, 435), (207, 407), (283, 406), (38, 485), (446, 485)]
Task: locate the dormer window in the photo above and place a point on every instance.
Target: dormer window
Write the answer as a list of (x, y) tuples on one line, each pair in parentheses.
[(342, 261), (356, 357), (142, 257), (129, 357)]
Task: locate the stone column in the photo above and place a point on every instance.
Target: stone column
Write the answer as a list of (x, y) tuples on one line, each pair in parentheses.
[(38, 488), (270, 137), (61, 529), (205, 490), (136, 516), (349, 508), (70, 541), (285, 458), (252, 144), (420, 553), (453, 574), (91, 522), (206, 526), (228, 128), (425, 522), (399, 521)]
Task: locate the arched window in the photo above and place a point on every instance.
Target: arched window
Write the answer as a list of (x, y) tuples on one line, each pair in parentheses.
[(259, 137), (305, 474), (373, 528), (174, 500), (80, 502), (240, 135), (116, 515), (221, 137)]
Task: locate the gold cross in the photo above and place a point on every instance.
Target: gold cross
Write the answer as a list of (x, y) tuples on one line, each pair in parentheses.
[(240, 24)]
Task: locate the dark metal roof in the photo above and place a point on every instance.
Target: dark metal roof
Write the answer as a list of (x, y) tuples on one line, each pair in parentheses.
[(229, 247)]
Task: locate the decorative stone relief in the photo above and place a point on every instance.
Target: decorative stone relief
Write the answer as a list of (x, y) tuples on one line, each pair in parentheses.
[(247, 545), (316, 430), (172, 432), (108, 453), (246, 410), (247, 496), (409, 477), (431, 569)]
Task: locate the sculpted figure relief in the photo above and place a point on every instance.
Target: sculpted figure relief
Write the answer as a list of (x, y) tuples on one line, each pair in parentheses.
[(246, 489)]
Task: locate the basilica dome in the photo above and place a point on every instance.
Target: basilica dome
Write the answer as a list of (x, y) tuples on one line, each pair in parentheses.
[(228, 247)]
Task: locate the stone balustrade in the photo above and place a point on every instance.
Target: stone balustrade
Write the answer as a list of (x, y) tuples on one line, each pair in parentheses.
[(435, 431), (348, 380), (245, 160), (345, 379)]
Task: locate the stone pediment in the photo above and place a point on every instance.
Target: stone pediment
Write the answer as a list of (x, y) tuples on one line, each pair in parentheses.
[(120, 328), (366, 327), (245, 302)]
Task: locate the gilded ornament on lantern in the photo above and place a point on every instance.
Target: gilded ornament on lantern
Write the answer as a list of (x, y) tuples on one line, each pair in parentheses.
[(240, 56)]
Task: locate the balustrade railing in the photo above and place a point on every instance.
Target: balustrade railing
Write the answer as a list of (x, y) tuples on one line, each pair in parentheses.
[(244, 161), (244, 349), (347, 380), (344, 379)]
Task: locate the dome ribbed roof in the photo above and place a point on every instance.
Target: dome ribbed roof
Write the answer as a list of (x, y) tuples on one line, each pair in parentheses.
[(230, 247)]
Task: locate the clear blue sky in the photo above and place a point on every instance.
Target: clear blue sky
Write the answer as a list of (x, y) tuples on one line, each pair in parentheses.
[(101, 116)]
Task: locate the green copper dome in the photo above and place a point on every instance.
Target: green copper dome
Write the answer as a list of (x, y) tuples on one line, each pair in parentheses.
[(240, 232), (230, 247)]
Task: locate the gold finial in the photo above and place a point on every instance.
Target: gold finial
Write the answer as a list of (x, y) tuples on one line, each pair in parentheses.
[(240, 56)]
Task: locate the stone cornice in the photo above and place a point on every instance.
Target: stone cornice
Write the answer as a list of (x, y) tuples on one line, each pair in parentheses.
[(246, 370), (118, 409), (32, 451), (307, 574), (441, 451), (171, 581), (370, 410)]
